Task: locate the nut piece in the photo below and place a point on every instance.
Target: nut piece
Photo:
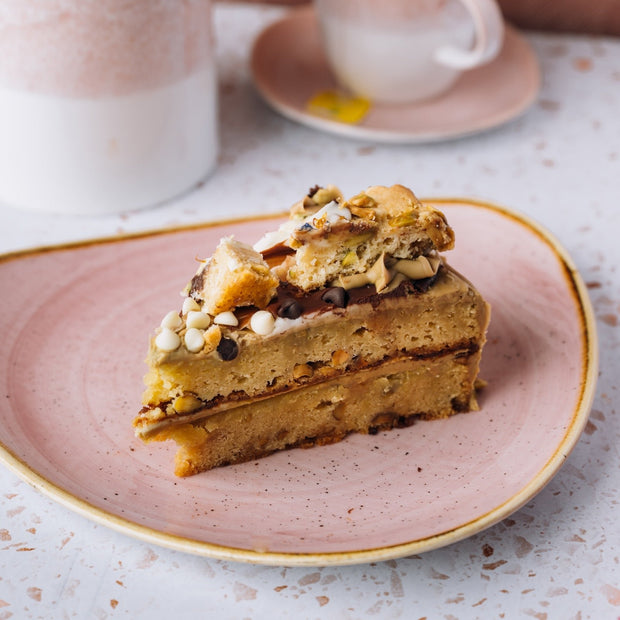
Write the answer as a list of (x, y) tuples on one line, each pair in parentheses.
[(363, 212), (302, 370), (324, 195), (316, 198), (186, 403), (235, 276), (212, 337), (340, 357), (361, 200)]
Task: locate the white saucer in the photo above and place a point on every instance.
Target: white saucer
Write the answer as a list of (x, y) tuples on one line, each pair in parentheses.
[(289, 69)]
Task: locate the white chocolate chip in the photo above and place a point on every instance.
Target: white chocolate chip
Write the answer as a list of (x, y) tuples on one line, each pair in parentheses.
[(172, 320), (194, 340), (262, 322), (189, 305), (226, 318), (197, 319), (167, 340)]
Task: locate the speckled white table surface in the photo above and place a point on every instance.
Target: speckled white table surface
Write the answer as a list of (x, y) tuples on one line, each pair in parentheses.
[(557, 557)]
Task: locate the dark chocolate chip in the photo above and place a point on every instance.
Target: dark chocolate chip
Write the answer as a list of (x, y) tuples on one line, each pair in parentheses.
[(228, 349), (290, 309), (313, 190), (336, 295)]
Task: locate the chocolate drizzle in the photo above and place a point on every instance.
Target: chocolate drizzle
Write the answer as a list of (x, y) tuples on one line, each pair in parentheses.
[(292, 302)]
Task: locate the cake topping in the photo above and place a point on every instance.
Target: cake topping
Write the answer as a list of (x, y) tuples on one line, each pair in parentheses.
[(186, 403), (236, 275), (167, 340), (316, 198), (336, 295), (382, 276), (226, 318), (418, 268), (172, 320), (328, 246), (343, 238), (194, 340), (228, 349), (212, 337), (198, 319), (262, 322), (330, 214), (290, 309), (189, 305)]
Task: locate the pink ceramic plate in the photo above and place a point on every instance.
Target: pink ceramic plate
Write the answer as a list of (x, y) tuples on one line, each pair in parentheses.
[(75, 322), (289, 68)]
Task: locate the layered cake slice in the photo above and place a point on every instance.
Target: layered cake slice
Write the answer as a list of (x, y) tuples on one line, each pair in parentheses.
[(345, 319)]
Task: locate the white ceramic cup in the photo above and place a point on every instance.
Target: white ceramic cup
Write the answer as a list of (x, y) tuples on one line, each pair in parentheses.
[(105, 106), (402, 51)]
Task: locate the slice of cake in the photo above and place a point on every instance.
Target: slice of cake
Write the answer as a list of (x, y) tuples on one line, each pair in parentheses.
[(346, 319)]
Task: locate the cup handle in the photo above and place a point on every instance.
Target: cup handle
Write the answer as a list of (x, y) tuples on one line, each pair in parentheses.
[(489, 27)]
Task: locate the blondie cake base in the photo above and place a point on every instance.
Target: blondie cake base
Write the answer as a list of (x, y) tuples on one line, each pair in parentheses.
[(450, 314), (367, 401)]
